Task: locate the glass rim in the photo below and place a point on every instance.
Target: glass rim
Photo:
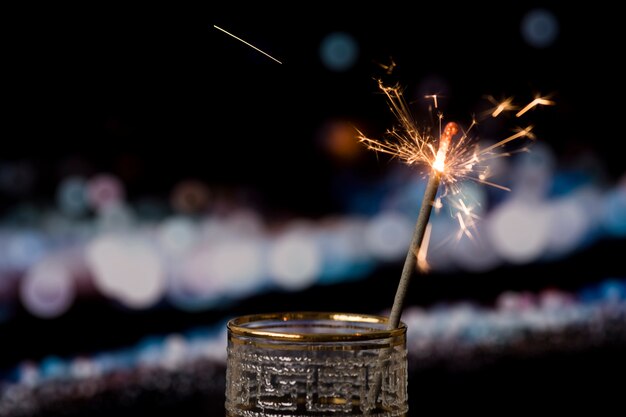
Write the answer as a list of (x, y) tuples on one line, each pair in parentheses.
[(237, 326)]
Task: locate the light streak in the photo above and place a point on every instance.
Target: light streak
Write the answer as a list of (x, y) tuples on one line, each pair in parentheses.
[(249, 44)]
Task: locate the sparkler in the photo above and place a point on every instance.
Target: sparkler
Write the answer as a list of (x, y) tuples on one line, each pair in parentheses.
[(453, 157)]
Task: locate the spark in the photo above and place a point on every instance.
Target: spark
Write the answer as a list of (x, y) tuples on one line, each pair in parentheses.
[(539, 101), (250, 45), (466, 218), (465, 209), (501, 106), (388, 68), (519, 134), (463, 229), (434, 97), (421, 255), (437, 205)]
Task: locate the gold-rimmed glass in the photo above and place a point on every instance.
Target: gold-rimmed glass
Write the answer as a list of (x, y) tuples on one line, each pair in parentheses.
[(315, 364)]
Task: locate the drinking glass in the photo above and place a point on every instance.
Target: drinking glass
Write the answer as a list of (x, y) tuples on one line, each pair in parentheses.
[(301, 364)]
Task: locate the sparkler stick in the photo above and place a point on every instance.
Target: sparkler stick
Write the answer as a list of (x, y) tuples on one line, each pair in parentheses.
[(428, 200), (416, 243)]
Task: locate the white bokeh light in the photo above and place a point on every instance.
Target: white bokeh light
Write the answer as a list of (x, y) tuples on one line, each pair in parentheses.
[(519, 231), (238, 266), (127, 269), (475, 254), (243, 224), (569, 225), (194, 273), (295, 260)]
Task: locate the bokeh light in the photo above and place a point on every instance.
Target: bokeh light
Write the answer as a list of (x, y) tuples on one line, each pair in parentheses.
[(47, 290), (190, 196), (615, 212), (476, 254), (388, 235), (540, 28), (294, 259), (519, 231), (344, 250), (127, 269), (339, 51), (339, 140), (177, 235), (72, 196), (569, 225), (238, 266), (24, 249), (104, 190)]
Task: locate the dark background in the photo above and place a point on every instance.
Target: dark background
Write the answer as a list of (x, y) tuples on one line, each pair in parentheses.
[(179, 98), (157, 95)]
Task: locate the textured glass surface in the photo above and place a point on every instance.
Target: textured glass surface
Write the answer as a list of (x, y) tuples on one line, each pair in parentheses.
[(315, 364)]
